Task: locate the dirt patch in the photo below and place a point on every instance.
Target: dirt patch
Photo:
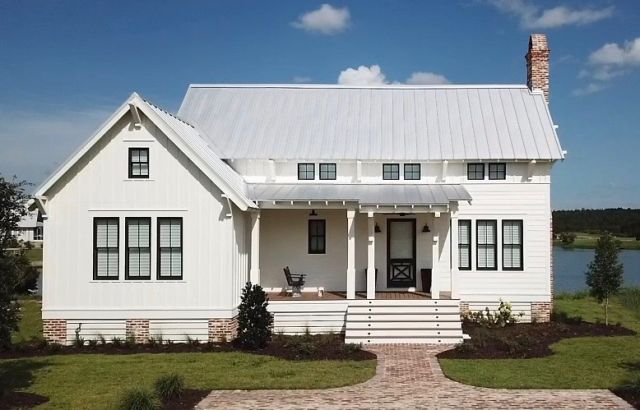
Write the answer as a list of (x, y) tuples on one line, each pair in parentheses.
[(525, 340), (188, 400), (21, 400)]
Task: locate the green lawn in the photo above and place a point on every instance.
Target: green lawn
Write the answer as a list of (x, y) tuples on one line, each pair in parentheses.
[(588, 241), (31, 323), (591, 362), (34, 254)]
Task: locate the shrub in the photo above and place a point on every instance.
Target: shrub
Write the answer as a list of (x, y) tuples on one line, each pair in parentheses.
[(116, 342), (254, 320), (192, 342), (630, 298), (567, 238), (93, 343), (352, 347), (169, 387), (138, 399), (501, 318)]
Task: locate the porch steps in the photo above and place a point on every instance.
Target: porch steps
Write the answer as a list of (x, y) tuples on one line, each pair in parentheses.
[(435, 321)]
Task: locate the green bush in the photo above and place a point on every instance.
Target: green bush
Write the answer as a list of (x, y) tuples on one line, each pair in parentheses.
[(567, 238), (254, 320), (169, 387), (138, 399), (630, 298)]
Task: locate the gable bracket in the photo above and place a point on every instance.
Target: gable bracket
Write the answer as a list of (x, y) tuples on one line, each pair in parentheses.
[(137, 122)]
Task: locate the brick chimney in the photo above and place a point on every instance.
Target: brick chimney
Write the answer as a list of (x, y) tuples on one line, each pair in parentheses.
[(538, 64)]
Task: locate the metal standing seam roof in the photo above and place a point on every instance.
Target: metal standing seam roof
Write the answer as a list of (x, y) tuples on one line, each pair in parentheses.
[(450, 122), (365, 194)]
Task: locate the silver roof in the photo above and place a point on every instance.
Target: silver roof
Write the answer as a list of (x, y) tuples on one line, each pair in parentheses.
[(365, 194), (444, 122)]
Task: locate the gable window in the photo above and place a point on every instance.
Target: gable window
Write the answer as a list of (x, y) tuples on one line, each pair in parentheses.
[(138, 162), (317, 236), (512, 245), (411, 171), (391, 171), (486, 245), (475, 172), (169, 248), (105, 248), (306, 171), (464, 244), (498, 171), (328, 171), (138, 246)]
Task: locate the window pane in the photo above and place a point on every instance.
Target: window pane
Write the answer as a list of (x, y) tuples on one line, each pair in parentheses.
[(135, 169), (165, 262), (165, 233), (143, 155), (464, 258), (144, 169), (134, 262), (135, 155), (176, 262), (145, 262), (464, 231)]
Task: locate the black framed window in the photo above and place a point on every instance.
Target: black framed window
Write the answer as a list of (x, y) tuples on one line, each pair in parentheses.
[(498, 170), (169, 248), (306, 171), (38, 233), (475, 172), (138, 245), (317, 236), (138, 162), (464, 244), (411, 171), (486, 245), (106, 243), (327, 171), (512, 245), (391, 171)]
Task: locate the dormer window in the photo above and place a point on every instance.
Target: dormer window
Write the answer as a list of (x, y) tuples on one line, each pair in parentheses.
[(391, 171), (498, 171), (475, 172), (411, 172), (328, 171), (306, 171), (138, 162)]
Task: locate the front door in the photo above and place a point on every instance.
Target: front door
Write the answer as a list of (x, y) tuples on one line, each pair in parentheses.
[(401, 253)]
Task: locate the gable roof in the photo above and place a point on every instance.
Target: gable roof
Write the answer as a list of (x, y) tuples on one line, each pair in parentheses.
[(396, 122), (183, 135)]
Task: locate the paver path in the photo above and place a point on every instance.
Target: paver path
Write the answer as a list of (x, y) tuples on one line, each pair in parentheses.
[(409, 377)]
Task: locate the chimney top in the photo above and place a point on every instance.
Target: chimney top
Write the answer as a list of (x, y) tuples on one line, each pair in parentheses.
[(538, 64)]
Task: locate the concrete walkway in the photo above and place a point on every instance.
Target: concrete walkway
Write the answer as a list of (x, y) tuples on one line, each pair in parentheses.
[(409, 377)]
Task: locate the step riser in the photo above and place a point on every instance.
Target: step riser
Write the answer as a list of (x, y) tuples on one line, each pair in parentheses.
[(404, 325), (441, 318), (404, 309), (412, 340), (403, 333), (404, 302)]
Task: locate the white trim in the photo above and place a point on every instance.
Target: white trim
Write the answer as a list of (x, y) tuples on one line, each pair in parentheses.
[(367, 87)]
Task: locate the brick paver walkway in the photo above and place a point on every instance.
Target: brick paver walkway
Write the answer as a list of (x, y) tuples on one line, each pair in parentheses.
[(409, 377)]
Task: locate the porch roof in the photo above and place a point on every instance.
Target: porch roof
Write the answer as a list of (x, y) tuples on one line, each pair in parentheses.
[(364, 194)]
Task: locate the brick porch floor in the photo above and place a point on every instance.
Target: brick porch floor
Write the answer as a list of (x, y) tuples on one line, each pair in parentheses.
[(332, 295), (409, 377)]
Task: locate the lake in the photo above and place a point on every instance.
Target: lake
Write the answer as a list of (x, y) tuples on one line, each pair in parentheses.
[(569, 266)]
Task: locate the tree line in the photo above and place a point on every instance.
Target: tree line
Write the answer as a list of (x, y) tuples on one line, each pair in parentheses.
[(618, 221)]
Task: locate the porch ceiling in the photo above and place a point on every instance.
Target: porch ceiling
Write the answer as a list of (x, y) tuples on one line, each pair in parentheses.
[(363, 194)]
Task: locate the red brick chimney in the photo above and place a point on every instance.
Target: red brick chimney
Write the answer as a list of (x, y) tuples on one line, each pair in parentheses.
[(538, 64)]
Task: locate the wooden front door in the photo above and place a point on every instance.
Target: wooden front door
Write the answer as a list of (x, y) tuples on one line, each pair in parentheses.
[(401, 253)]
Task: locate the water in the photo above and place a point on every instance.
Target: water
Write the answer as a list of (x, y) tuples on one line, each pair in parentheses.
[(569, 266)]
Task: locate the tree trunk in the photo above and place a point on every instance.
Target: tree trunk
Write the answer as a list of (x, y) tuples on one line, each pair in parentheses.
[(606, 311)]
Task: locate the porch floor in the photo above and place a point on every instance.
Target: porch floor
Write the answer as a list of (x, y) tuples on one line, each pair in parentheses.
[(340, 295)]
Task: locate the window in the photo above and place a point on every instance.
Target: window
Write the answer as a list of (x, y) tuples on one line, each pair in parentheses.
[(498, 171), (411, 171), (512, 245), (317, 236), (138, 162), (138, 246), (486, 251), (169, 248), (475, 172), (105, 248), (38, 233), (306, 171), (464, 245), (327, 171), (390, 171)]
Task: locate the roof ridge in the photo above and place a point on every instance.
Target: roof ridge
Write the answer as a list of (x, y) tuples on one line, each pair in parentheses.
[(167, 112), (366, 87)]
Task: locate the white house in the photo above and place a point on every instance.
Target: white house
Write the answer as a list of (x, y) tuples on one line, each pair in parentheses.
[(155, 224), (30, 229)]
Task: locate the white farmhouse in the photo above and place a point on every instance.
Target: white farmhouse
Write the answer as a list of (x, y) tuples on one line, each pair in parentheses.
[(402, 205)]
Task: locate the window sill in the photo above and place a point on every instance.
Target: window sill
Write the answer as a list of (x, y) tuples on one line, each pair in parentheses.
[(147, 281), (139, 179)]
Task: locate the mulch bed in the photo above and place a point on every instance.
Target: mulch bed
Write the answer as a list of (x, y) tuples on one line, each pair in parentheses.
[(189, 399), (20, 400), (630, 396), (523, 340)]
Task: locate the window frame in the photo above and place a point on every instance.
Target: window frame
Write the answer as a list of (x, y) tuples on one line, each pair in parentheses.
[(126, 249), (397, 171), (521, 245), (497, 172), (311, 236), (495, 245), (159, 249), (38, 233), (475, 164), (467, 245), (419, 172), (313, 171), (325, 165), (95, 247), (131, 163)]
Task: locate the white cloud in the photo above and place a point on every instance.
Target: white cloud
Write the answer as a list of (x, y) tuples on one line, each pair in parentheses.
[(301, 79), (426, 77), (533, 17), (362, 75), (589, 89), (326, 20)]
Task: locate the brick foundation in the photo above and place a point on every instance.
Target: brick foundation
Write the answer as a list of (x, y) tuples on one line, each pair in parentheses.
[(138, 330), (223, 329), (464, 308), (55, 330), (541, 311)]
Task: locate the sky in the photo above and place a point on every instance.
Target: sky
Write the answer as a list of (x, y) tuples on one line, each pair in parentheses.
[(65, 66)]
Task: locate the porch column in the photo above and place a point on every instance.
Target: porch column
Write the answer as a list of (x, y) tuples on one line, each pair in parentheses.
[(454, 255), (254, 271), (371, 258), (351, 254), (435, 256)]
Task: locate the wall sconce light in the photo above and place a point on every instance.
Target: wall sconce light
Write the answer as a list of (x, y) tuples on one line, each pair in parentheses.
[(377, 229), (313, 213), (425, 228)]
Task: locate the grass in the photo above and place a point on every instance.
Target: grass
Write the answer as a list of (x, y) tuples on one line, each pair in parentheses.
[(581, 363), (34, 254), (588, 241), (31, 323)]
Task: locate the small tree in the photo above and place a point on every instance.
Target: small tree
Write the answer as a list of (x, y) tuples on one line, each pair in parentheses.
[(254, 320), (604, 273), (567, 238)]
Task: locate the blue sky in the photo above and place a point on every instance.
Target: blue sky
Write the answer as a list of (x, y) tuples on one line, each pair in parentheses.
[(65, 65)]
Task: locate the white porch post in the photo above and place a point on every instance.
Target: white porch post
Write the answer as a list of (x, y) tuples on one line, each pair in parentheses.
[(454, 255), (254, 271), (371, 258), (351, 254), (435, 256)]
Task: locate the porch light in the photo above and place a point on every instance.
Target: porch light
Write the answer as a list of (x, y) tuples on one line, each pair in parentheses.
[(313, 213), (377, 229), (425, 228)]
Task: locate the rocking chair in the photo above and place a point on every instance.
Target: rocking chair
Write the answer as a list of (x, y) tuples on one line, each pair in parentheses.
[(294, 281)]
